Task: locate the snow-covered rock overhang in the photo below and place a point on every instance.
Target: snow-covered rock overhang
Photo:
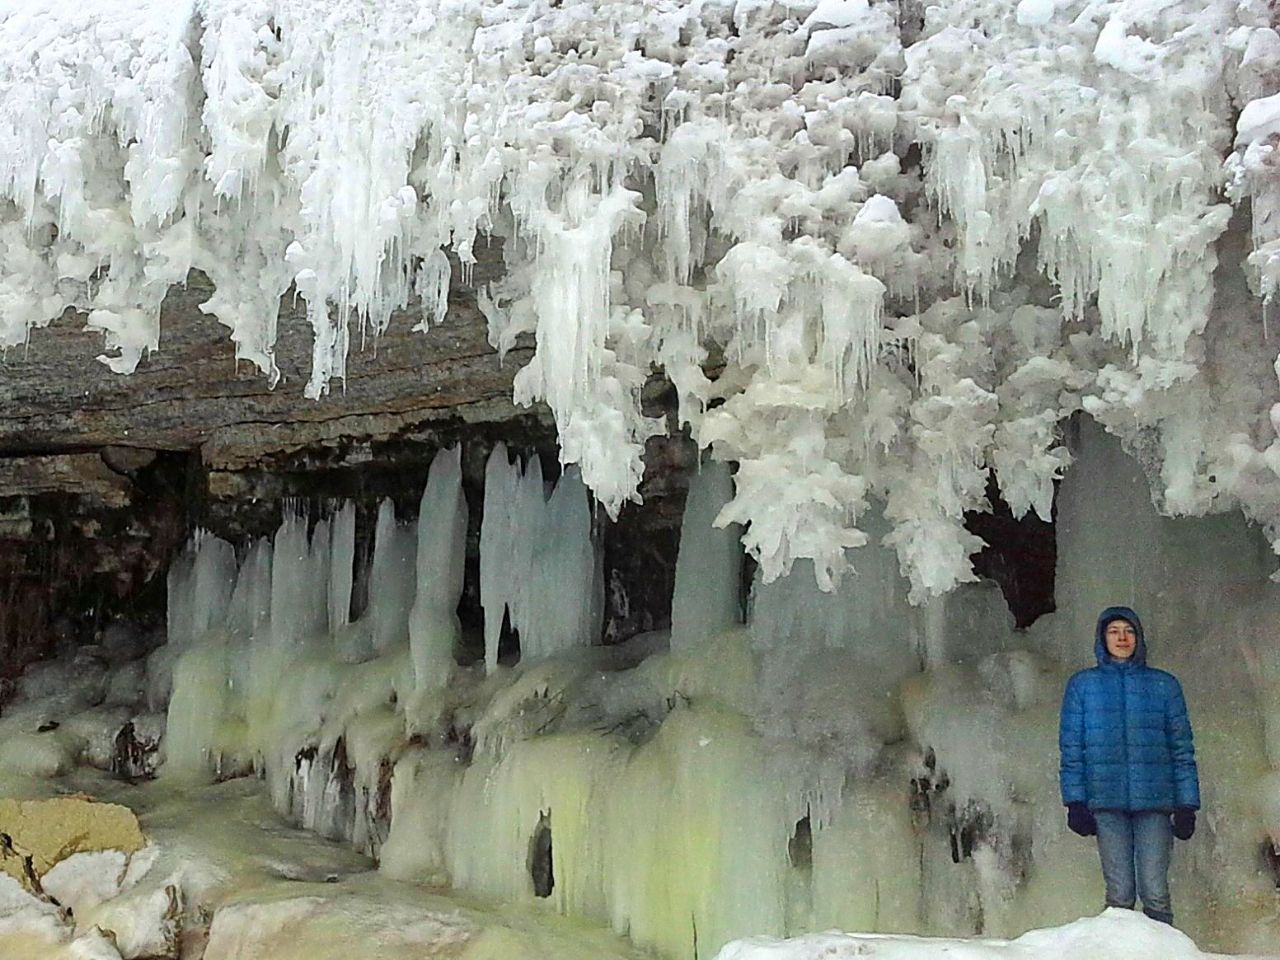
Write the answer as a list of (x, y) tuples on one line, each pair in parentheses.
[(918, 238)]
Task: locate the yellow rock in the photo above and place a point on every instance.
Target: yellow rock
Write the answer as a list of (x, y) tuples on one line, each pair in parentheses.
[(48, 831)]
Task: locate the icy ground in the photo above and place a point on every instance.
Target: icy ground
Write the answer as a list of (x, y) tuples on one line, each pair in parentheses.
[(225, 878)]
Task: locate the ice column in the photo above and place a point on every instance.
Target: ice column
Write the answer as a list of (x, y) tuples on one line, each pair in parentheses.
[(501, 480), (250, 612), (565, 602), (391, 579), (538, 560), (199, 588), (343, 546), (442, 532), (709, 565), (299, 582)]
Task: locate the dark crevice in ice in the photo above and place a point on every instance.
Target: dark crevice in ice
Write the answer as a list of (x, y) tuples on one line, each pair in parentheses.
[(508, 642), (540, 868), (800, 846), (1021, 556)]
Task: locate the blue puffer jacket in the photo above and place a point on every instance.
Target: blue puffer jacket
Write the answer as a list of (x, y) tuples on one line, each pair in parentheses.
[(1124, 736)]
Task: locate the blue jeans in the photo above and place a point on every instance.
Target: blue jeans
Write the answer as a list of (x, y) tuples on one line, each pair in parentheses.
[(1135, 848)]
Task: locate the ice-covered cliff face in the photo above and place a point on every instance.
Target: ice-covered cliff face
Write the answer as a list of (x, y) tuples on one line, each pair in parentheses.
[(841, 761), (910, 242)]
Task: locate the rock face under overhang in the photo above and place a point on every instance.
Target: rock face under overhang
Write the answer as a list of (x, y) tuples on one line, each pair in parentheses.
[(103, 476), (191, 394), (80, 474)]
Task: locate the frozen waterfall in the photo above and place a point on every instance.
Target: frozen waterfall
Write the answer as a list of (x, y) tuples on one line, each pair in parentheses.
[(841, 760)]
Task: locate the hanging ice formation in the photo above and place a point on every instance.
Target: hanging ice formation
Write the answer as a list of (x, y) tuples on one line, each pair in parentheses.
[(670, 178)]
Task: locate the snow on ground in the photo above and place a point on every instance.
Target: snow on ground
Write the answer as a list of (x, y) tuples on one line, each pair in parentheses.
[(1113, 935)]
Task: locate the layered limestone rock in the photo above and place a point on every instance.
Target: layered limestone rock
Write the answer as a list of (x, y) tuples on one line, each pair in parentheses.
[(37, 835)]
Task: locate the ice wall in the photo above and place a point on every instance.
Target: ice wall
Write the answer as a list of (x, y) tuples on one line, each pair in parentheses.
[(844, 759), (849, 760), (680, 185), (1209, 615)]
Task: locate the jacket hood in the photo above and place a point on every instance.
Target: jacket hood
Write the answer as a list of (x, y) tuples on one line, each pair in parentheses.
[(1100, 644)]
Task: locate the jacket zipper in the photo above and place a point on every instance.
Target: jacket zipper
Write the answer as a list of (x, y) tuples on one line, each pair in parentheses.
[(1124, 711)]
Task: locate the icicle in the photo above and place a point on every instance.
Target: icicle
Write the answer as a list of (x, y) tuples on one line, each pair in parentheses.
[(200, 585), (709, 565), (391, 579), (538, 561), (299, 584), (496, 547), (441, 559), (250, 614), (342, 566)]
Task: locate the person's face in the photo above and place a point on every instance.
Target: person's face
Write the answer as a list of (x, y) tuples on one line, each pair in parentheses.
[(1121, 639)]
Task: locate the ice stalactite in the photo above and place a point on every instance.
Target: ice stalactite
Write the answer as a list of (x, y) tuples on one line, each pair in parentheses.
[(273, 674), (392, 579), (502, 480), (201, 582), (1253, 165), (540, 564), (434, 630), (300, 579), (342, 538), (708, 584), (822, 194)]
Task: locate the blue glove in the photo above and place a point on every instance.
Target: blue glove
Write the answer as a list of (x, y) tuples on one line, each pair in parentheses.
[(1080, 820), (1184, 823)]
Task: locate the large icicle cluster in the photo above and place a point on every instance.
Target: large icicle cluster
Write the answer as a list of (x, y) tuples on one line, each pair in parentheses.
[(811, 216), (266, 658)]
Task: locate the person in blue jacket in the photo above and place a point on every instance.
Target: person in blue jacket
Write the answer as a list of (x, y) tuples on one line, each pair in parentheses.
[(1128, 765)]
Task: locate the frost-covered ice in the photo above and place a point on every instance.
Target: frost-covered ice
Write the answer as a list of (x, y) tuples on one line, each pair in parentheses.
[(671, 179)]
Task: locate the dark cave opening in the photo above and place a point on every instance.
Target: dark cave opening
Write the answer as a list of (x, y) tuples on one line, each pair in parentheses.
[(1020, 555), (508, 642), (800, 845)]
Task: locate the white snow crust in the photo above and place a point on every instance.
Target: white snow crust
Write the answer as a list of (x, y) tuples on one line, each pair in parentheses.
[(830, 224), (1113, 935)]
